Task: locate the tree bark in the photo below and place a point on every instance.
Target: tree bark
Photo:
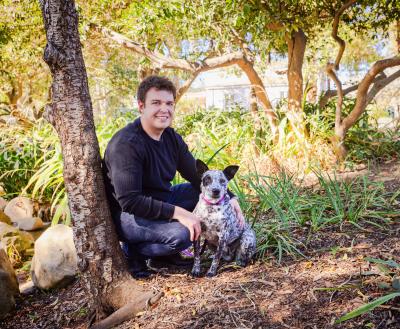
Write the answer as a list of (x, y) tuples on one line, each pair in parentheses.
[(363, 87), (340, 132), (259, 89), (296, 48), (102, 267)]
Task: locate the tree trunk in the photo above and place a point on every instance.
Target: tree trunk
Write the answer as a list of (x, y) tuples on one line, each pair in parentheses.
[(296, 48), (259, 89), (102, 267)]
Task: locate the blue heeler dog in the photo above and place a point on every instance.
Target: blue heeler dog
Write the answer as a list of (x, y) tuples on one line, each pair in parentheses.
[(219, 225)]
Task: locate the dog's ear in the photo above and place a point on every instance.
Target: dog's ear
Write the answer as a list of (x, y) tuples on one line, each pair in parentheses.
[(230, 171), (201, 167)]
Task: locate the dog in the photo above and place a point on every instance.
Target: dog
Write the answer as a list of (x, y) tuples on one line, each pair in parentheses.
[(219, 225)]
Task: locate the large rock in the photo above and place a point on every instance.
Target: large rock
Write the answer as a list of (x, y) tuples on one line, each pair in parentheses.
[(8, 285), (20, 211), (54, 261), (30, 223)]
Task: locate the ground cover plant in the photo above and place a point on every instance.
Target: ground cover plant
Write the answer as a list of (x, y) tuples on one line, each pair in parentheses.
[(287, 211)]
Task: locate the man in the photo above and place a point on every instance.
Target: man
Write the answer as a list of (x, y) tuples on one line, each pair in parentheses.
[(152, 218)]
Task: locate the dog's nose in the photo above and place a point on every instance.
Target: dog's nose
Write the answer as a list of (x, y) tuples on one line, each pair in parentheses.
[(215, 191)]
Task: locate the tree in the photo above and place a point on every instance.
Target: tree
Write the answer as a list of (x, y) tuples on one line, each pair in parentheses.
[(160, 34), (365, 93), (103, 269)]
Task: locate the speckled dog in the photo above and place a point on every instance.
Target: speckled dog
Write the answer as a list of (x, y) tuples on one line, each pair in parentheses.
[(219, 225)]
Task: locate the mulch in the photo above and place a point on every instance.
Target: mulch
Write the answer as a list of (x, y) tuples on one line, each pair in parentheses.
[(293, 294), (308, 293)]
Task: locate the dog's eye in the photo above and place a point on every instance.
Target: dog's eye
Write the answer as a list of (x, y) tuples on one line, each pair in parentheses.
[(222, 181), (207, 180)]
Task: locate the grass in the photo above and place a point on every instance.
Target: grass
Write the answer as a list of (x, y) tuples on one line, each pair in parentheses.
[(277, 205), (281, 210)]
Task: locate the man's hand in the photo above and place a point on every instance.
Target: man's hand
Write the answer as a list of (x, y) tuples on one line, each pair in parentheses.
[(239, 215), (189, 220)]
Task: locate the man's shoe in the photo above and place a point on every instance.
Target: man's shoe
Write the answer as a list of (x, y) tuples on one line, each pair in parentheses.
[(174, 259)]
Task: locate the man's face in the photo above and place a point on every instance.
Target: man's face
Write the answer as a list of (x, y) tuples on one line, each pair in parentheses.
[(158, 109)]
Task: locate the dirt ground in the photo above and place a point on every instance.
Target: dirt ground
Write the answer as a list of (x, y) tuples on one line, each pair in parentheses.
[(310, 292)]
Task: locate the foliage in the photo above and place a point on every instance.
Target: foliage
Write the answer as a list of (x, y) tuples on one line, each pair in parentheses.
[(32, 161), (206, 133), (17, 244), (365, 141), (280, 207)]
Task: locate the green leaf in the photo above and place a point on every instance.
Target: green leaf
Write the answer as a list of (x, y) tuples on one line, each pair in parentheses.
[(367, 307), (389, 262)]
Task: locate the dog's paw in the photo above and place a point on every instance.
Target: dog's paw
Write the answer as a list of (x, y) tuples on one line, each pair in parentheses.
[(210, 274), (195, 273), (241, 262)]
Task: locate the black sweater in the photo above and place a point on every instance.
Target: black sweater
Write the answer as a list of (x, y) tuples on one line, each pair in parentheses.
[(138, 171)]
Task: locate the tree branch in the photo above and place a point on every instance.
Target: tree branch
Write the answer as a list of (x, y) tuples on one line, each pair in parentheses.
[(182, 89), (330, 70), (363, 87), (380, 84), (332, 93), (334, 34)]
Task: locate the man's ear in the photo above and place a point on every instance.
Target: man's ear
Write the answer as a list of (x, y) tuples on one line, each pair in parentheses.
[(201, 167), (141, 106), (230, 171)]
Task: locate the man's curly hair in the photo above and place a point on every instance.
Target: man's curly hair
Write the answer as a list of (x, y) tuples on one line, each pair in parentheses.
[(155, 81)]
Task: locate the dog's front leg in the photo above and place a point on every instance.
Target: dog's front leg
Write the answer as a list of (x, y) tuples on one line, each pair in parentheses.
[(196, 262), (217, 257)]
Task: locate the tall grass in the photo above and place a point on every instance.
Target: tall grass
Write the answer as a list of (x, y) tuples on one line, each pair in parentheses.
[(286, 215)]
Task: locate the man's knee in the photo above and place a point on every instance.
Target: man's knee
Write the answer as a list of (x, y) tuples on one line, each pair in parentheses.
[(180, 238)]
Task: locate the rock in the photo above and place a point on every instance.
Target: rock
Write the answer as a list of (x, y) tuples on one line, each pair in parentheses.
[(19, 208), (3, 203), (27, 287), (20, 211), (54, 262), (30, 223), (19, 242), (4, 218), (8, 285)]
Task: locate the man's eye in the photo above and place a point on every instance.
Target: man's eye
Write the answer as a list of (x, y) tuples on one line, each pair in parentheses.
[(207, 180)]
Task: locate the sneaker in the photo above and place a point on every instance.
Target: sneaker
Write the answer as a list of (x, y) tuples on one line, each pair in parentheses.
[(174, 259), (187, 253)]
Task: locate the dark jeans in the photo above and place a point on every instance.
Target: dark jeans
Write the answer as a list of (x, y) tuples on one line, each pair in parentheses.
[(146, 238)]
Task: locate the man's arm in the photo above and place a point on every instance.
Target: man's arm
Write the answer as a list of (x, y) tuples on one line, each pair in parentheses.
[(125, 165)]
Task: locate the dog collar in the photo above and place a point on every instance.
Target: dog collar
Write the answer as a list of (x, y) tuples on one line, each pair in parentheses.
[(210, 203)]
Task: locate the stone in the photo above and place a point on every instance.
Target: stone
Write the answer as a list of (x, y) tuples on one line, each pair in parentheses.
[(54, 261), (20, 211), (8, 285), (4, 218), (30, 223), (3, 203), (19, 208)]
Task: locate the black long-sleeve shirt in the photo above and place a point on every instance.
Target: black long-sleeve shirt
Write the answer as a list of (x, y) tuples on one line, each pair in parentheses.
[(138, 171)]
